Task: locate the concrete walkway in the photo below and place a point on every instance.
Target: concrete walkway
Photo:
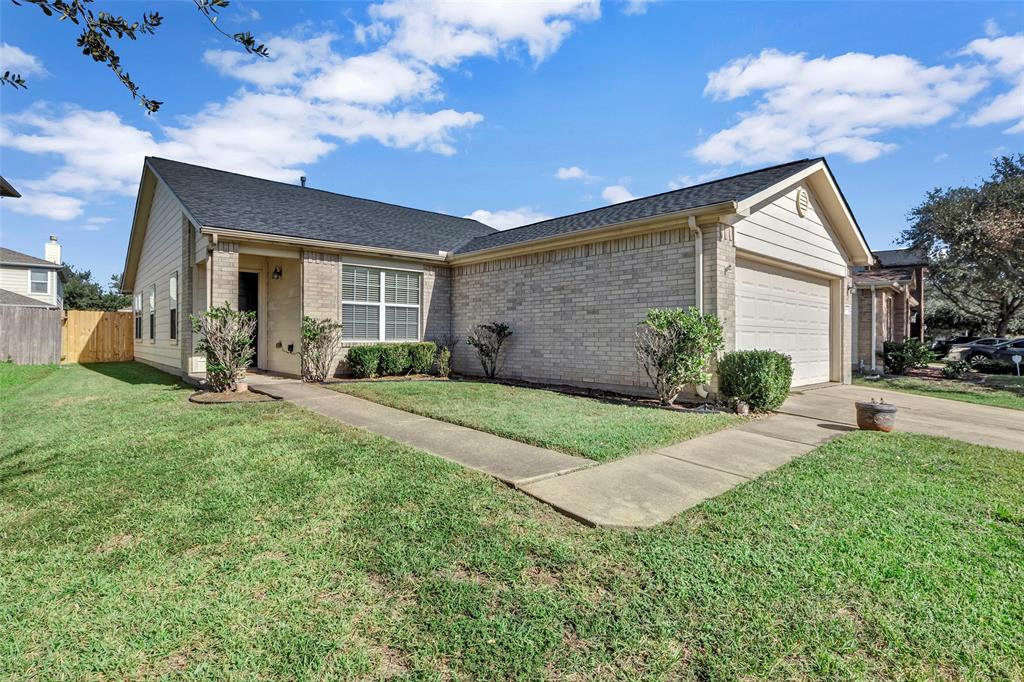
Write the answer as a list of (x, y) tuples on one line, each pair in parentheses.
[(651, 488), (510, 461)]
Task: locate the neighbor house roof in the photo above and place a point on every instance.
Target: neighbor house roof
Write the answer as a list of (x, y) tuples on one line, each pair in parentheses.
[(901, 258), (734, 188), (219, 199), (11, 257), (11, 298), (7, 189)]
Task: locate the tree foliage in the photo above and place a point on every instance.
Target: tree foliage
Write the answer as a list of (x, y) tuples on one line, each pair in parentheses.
[(675, 348), (99, 28), (82, 293), (974, 237)]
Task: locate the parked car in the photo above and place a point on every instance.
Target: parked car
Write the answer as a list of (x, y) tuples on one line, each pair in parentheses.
[(978, 351), (1004, 354), (941, 346)]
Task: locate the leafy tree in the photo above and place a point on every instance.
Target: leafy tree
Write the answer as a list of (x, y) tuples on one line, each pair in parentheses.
[(974, 237), (98, 28), (82, 293), (488, 339), (226, 337)]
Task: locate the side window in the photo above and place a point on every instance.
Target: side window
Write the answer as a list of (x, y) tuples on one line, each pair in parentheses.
[(152, 313), (172, 307), (137, 306), (39, 281)]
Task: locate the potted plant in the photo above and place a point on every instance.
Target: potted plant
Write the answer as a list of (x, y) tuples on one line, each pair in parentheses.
[(876, 416)]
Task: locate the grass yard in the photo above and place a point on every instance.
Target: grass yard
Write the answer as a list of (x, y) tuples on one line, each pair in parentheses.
[(591, 428), (997, 391), (145, 536)]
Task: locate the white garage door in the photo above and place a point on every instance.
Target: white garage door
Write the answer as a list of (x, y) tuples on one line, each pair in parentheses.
[(781, 310)]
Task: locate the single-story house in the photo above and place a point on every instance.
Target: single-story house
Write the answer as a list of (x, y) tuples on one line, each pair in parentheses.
[(770, 252), (39, 280), (889, 304)]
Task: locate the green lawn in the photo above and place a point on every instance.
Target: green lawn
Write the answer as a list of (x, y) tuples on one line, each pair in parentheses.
[(587, 427), (997, 391), (145, 536)]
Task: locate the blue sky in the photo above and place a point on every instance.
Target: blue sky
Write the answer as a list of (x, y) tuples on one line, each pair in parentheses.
[(510, 112)]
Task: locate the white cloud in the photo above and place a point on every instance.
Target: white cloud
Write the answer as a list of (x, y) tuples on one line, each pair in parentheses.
[(95, 223), (298, 105), (834, 105), (1005, 57), (16, 60), (46, 204), (616, 194), (444, 33), (637, 6), (939, 158), (681, 181), (507, 219), (992, 29), (573, 173)]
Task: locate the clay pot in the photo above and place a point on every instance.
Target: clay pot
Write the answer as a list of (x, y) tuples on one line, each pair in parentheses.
[(873, 416), (742, 408), (241, 387)]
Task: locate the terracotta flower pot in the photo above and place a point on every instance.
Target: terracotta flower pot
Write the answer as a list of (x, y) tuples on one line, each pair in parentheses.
[(241, 387), (876, 416)]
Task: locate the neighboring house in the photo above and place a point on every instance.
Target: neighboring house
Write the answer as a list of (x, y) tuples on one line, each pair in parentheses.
[(31, 297), (889, 304), (769, 252), (7, 189), (38, 279)]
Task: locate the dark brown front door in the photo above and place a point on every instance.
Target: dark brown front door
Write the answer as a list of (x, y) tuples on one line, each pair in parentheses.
[(249, 301)]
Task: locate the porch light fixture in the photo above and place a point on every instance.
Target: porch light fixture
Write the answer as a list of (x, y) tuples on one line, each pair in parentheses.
[(277, 273)]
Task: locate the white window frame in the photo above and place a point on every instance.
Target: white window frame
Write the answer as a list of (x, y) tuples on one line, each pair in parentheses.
[(382, 306), (31, 272), (172, 305), (137, 305), (152, 313)]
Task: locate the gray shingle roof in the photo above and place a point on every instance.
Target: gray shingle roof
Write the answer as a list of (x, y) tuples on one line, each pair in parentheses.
[(896, 258), (11, 298), (733, 188), (11, 257), (239, 202)]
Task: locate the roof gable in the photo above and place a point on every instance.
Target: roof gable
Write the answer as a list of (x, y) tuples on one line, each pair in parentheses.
[(12, 257)]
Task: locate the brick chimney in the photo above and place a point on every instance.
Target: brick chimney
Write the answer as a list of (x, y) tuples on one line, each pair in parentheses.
[(51, 251)]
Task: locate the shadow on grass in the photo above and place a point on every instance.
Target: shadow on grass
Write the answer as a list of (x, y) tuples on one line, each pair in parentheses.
[(134, 373)]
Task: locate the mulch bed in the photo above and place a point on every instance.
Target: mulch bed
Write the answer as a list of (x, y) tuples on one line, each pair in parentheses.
[(402, 377), (215, 398)]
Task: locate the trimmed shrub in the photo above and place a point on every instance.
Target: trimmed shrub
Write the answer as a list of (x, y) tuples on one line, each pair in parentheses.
[(955, 369), (421, 357), (364, 361), (900, 356), (444, 362), (675, 348), (394, 359), (321, 340), (227, 338), (760, 378)]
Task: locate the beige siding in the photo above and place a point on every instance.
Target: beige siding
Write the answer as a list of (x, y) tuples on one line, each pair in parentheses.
[(160, 257), (15, 279), (776, 230), (284, 315)]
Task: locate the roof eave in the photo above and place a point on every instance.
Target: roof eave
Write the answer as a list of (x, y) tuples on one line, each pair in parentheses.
[(554, 241), (248, 235)]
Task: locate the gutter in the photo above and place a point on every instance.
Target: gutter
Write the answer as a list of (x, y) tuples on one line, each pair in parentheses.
[(225, 233), (724, 207), (698, 261), (874, 331)]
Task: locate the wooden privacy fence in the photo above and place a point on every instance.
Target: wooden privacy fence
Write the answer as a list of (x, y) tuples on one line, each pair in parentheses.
[(98, 336), (29, 335)]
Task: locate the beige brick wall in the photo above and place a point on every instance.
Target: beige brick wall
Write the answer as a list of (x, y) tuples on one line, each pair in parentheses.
[(321, 279), (847, 341), (573, 310), (224, 274), (436, 311)]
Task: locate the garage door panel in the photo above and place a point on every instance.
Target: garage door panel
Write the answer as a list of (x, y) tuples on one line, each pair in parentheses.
[(785, 311)]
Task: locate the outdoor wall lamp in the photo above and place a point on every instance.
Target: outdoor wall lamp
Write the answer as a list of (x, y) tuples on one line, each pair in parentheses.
[(277, 273)]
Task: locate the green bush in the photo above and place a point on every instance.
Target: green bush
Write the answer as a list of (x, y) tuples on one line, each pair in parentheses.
[(675, 348), (364, 361), (444, 362), (955, 369), (394, 359), (761, 378), (900, 356), (421, 357)]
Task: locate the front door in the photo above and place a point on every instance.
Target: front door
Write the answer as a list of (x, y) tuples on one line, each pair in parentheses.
[(249, 301)]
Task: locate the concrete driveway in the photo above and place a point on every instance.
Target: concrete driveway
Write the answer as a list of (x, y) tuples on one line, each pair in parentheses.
[(995, 426)]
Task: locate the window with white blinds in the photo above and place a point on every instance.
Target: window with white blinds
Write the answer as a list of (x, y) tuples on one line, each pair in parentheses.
[(379, 305)]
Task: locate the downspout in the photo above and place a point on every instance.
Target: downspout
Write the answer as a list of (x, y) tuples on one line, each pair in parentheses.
[(698, 261), (874, 331), (698, 281)]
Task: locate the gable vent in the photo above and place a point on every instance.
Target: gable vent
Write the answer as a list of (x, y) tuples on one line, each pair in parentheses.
[(802, 202)]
